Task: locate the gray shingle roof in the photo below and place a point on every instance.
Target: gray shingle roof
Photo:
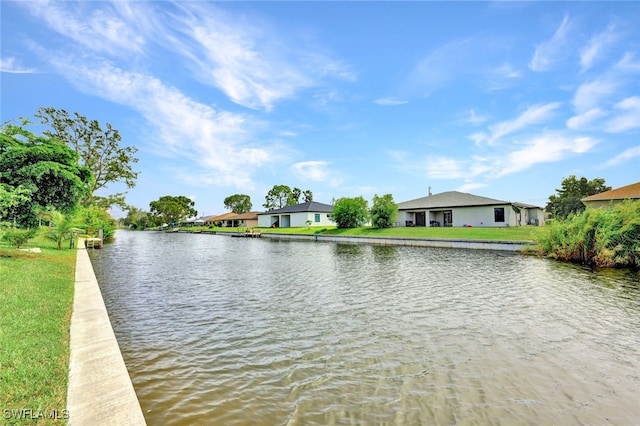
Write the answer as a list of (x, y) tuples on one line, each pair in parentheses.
[(311, 206), (449, 199)]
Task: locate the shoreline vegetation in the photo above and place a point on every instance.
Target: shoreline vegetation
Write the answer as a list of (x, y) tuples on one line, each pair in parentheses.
[(35, 315)]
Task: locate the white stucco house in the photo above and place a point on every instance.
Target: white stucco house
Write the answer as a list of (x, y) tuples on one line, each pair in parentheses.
[(455, 208), (306, 214)]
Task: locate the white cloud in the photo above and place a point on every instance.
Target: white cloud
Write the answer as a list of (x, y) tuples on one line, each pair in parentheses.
[(475, 118), (547, 148), (248, 61), (592, 95), (311, 170), (552, 50), (479, 138), (441, 66), (100, 29), (470, 186), (216, 141), (589, 53), (12, 66), (627, 63), (624, 156), (533, 115), (628, 118), (445, 168), (501, 78), (390, 101), (581, 121)]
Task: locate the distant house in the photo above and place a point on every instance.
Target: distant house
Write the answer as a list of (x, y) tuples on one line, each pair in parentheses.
[(194, 222), (230, 219), (306, 214), (247, 220), (455, 208), (219, 220), (629, 192)]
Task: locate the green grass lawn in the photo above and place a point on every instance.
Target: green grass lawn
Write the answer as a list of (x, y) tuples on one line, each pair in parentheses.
[(519, 233), (35, 315)]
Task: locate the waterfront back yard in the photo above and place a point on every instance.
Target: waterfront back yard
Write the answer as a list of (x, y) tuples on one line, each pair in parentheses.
[(35, 314)]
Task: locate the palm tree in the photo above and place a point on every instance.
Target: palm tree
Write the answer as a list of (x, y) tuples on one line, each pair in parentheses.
[(62, 226)]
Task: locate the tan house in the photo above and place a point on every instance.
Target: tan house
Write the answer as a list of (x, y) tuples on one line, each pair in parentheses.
[(247, 220), (455, 208), (219, 219), (604, 199), (230, 219)]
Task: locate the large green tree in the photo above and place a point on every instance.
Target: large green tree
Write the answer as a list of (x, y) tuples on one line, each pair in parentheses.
[(173, 209), (384, 211), (238, 203), (277, 197), (350, 212), (566, 201), (282, 196), (98, 149), (38, 173)]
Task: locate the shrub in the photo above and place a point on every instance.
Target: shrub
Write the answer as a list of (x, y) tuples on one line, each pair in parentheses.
[(350, 212), (384, 211), (18, 237)]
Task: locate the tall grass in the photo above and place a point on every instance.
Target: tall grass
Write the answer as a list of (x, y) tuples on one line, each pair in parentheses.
[(608, 237)]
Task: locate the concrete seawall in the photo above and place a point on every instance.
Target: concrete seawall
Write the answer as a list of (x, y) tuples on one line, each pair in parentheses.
[(413, 242), (100, 391)]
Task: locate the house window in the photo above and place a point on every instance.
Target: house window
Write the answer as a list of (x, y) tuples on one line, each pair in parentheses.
[(498, 214), (317, 217)]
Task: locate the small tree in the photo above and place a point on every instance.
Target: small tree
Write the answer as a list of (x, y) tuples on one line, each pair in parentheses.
[(238, 203), (384, 211), (61, 227), (350, 212), (567, 201), (18, 237)]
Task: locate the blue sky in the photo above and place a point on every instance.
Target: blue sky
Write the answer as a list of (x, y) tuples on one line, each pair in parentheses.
[(499, 99)]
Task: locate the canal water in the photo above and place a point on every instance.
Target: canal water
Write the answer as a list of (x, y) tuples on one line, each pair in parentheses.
[(238, 331)]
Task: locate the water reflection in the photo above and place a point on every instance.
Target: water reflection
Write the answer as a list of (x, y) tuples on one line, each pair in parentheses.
[(219, 330)]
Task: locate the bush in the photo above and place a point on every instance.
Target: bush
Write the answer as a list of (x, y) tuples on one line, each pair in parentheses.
[(350, 212), (18, 237), (384, 211)]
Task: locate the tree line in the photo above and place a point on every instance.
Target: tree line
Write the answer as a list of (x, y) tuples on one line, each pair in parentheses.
[(54, 178)]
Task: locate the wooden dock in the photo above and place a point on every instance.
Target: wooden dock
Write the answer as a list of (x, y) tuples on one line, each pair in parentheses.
[(93, 243)]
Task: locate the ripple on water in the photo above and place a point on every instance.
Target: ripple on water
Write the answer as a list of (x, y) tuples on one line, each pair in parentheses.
[(218, 330)]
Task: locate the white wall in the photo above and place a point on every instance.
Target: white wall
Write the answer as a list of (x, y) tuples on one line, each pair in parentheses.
[(480, 216), (295, 220), (300, 219)]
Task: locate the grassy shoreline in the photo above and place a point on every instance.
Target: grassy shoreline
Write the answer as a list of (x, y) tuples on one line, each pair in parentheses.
[(520, 233), (35, 316)]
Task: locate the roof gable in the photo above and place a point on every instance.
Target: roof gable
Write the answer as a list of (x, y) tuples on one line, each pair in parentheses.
[(311, 206), (622, 193), (449, 199), (223, 216)]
